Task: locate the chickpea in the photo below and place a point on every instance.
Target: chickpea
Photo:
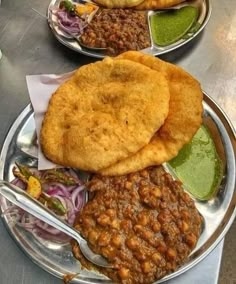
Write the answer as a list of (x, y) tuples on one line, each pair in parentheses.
[(157, 192), (103, 44), (191, 240), (162, 248), (92, 237), (164, 217), (147, 235), (116, 241), (156, 227), (138, 228), (103, 220), (132, 243), (184, 227), (143, 219), (163, 205), (187, 199), (88, 222), (120, 44), (104, 239), (171, 254), (141, 37), (140, 255), (176, 214), (111, 212), (126, 225), (92, 42), (170, 266), (198, 219), (144, 173), (108, 252), (146, 267), (112, 37), (143, 182), (115, 224), (135, 177), (123, 273), (144, 191), (107, 203), (92, 34), (128, 184), (172, 198), (156, 257)]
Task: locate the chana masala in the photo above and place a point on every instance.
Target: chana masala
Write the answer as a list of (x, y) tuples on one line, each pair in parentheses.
[(118, 30), (143, 223)]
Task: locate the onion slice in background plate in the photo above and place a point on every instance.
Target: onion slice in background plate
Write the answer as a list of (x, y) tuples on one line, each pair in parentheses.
[(70, 24)]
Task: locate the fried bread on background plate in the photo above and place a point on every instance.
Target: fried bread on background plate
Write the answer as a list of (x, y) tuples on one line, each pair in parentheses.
[(183, 120), (157, 4), (105, 112), (118, 3)]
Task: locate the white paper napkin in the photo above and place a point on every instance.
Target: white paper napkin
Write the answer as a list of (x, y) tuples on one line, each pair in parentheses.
[(40, 88)]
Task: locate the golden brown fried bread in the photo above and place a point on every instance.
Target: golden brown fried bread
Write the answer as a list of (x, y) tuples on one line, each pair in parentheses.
[(183, 120), (157, 4), (105, 112), (118, 3)]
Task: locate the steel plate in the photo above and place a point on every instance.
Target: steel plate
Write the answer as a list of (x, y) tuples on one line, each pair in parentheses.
[(218, 213), (204, 16)]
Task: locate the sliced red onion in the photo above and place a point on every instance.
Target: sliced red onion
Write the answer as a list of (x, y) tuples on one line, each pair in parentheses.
[(71, 197), (77, 198), (18, 182), (62, 199), (70, 24), (27, 226), (60, 238), (60, 188), (54, 9), (47, 228), (74, 175)]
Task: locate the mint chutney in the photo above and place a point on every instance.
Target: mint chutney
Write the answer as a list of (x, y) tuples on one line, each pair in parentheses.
[(198, 165), (168, 27)]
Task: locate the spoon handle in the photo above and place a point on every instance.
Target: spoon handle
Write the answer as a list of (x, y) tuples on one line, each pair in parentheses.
[(20, 198)]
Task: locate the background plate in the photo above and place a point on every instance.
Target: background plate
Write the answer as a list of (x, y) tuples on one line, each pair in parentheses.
[(57, 259), (205, 13)]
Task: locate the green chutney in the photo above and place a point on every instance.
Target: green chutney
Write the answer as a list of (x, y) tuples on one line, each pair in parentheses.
[(168, 27), (198, 166)]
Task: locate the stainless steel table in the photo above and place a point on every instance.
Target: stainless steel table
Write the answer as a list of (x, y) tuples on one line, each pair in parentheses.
[(29, 48)]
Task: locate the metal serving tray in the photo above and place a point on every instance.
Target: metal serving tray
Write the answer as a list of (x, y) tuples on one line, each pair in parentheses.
[(56, 258), (203, 18)]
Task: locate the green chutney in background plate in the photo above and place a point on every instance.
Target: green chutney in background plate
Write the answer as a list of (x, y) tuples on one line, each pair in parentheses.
[(169, 26), (198, 166)]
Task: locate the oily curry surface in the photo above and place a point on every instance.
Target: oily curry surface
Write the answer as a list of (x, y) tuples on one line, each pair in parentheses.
[(143, 223)]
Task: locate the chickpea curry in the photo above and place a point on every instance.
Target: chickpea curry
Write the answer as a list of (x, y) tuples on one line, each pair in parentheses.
[(143, 223), (118, 30)]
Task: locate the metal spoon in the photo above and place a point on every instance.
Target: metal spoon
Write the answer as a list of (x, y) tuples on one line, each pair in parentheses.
[(20, 198)]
